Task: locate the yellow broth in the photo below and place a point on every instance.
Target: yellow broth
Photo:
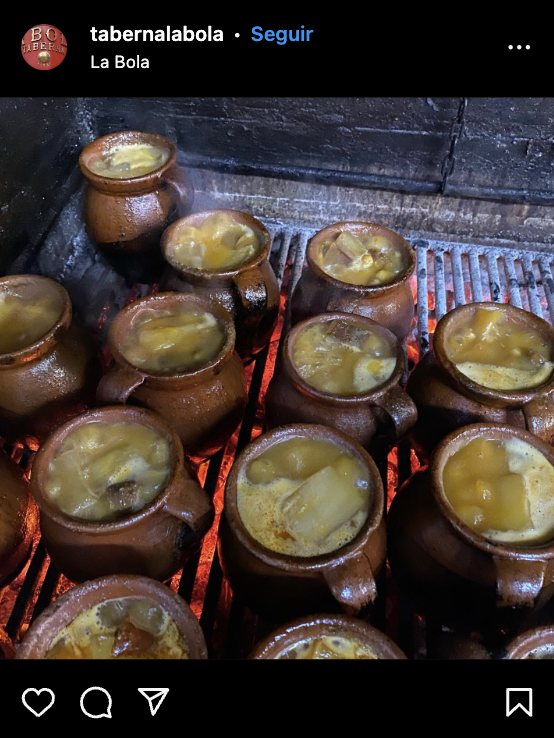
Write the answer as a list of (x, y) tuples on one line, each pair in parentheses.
[(173, 340), (362, 259), (122, 628), (129, 160), (220, 243), (500, 351), (503, 490), (304, 497), (103, 471), (343, 358), (334, 647), (26, 315)]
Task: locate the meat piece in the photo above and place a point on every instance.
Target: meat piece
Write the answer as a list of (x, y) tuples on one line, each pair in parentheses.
[(123, 495), (130, 640)]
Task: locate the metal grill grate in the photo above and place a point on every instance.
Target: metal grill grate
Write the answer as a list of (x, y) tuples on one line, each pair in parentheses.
[(448, 274)]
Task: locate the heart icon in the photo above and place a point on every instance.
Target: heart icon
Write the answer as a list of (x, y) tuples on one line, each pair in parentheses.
[(37, 693)]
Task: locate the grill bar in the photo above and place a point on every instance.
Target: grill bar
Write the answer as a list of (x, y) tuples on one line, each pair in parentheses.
[(448, 273)]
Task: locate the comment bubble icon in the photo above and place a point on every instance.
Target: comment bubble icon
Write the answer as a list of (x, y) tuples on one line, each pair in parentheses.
[(106, 713)]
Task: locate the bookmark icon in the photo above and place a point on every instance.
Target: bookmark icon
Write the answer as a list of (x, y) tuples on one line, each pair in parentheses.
[(155, 697)]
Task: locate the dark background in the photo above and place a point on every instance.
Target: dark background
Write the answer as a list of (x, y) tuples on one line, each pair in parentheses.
[(503, 151)]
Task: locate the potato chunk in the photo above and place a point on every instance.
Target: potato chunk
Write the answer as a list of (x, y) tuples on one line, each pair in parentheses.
[(321, 505)]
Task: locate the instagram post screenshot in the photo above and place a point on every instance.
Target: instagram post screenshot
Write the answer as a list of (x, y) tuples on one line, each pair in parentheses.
[(276, 366)]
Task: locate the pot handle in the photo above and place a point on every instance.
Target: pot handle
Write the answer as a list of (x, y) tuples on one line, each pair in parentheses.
[(250, 285), (400, 410), (118, 384), (518, 583), (352, 584), (189, 503), (178, 182), (539, 416)]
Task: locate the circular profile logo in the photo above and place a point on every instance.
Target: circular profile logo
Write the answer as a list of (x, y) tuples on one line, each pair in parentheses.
[(44, 47)]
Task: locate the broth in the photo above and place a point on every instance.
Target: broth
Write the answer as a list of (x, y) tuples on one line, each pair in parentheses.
[(504, 490), (173, 340), (122, 628), (499, 351), (102, 471), (362, 259), (304, 497), (343, 358), (218, 244), (26, 315), (129, 160)]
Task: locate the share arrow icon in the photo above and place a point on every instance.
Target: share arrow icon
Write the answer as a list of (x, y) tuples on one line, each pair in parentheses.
[(155, 697)]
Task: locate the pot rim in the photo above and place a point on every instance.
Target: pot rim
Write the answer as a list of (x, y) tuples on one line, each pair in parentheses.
[(200, 216), (286, 562), (43, 344), (129, 184), (360, 226), (452, 443), (331, 398), (297, 630), (66, 608), (507, 397), (519, 647), (121, 322), (115, 414)]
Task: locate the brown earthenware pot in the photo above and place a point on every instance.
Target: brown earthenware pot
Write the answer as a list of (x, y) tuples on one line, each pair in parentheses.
[(327, 625), (290, 399), (129, 215), (521, 646), (446, 399), (281, 586), (6, 646), (449, 568), (250, 292), (204, 406), (155, 541), (390, 305), (51, 380), (65, 609), (18, 517)]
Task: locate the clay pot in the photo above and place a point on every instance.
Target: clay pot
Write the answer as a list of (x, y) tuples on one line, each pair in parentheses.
[(18, 517), (6, 646), (155, 541), (446, 399), (290, 399), (447, 567), (129, 215), (65, 609), (325, 625), (51, 380), (521, 646), (279, 586), (204, 406), (250, 292), (391, 305)]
